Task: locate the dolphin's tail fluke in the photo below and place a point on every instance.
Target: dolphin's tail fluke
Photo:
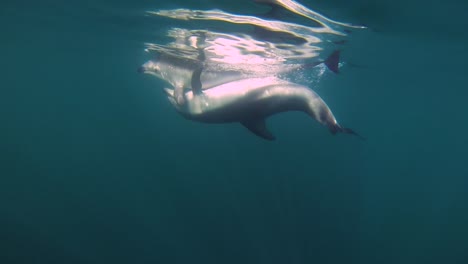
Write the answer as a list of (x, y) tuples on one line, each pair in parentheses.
[(339, 129)]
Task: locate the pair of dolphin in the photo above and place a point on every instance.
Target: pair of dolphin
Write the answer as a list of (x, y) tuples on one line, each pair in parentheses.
[(230, 97)]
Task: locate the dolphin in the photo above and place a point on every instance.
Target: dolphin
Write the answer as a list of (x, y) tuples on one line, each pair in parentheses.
[(251, 101), (183, 73)]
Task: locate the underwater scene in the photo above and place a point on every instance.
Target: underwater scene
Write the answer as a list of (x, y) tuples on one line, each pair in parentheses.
[(249, 131)]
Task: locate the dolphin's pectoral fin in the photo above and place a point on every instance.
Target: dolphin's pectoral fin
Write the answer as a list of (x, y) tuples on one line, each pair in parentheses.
[(258, 127), (196, 82), (170, 96), (179, 95)]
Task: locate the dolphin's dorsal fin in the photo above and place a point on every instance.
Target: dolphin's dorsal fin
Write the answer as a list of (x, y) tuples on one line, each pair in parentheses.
[(333, 61), (196, 82), (258, 127)]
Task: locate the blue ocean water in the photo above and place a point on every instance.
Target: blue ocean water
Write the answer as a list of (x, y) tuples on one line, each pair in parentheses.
[(97, 167)]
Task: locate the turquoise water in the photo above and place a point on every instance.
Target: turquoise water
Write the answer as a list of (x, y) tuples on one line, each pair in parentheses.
[(97, 167)]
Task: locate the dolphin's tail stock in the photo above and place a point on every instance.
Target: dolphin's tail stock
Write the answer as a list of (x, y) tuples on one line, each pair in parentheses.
[(319, 110)]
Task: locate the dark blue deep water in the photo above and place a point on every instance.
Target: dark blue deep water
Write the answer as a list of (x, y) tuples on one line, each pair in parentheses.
[(97, 167)]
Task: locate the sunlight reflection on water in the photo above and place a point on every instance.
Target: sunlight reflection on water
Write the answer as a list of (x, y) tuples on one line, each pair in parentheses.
[(273, 47)]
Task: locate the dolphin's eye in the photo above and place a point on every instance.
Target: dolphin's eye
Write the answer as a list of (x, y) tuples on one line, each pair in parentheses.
[(156, 68)]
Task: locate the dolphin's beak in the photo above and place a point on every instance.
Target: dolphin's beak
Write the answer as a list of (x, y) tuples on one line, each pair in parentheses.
[(141, 69)]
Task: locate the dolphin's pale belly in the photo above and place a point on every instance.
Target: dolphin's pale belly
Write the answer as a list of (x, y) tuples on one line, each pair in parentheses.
[(180, 74), (237, 112), (251, 101), (245, 99), (176, 76), (211, 79)]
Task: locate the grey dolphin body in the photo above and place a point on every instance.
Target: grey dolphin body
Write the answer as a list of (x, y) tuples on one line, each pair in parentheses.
[(250, 101), (176, 71), (183, 74)]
